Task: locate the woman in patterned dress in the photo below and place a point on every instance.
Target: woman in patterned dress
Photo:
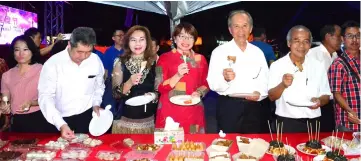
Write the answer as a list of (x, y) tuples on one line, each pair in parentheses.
[(176, 76)]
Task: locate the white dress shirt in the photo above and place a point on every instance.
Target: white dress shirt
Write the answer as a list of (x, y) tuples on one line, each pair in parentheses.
[(250, 68), (321, 54), (67, 89), (311, 82)]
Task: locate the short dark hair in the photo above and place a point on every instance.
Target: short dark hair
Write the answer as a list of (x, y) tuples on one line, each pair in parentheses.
[(155, 40), (188, 28), (349, 24), (83, 35), (115, 31), (328, 29), (59, 46), (35, 58), (257, 32), (31, 32)]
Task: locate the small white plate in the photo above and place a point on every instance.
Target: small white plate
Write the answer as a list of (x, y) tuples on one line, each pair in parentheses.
[(301, 103), (302, 145), (319, 158), (140, 100), (100, 124), (242, 95), (180, 99)]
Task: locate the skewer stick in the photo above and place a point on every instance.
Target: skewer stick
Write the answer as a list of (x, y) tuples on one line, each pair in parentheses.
[(332, 138), (278, 130), (316, 131), (281, 130), (311, 131), (289, 149), (270, 131), (339, 148), (308, 131), (319, 129)]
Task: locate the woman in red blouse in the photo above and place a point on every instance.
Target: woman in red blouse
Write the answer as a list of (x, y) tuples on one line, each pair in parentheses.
[(175, 77)]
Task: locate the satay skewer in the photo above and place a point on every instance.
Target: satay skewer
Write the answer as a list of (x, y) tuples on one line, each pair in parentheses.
[(270, 131), (319, 129), (339, 148), (308, 131), (311, 131)]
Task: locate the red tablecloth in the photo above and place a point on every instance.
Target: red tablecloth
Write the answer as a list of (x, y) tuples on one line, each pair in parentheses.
[(293, 139)]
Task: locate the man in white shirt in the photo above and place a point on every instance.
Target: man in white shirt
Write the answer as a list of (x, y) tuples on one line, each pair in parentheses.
[(298, 84), (71, 85), (239, 67), (326, 53)]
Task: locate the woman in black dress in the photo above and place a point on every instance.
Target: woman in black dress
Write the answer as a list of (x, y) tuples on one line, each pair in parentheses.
[(129, 80)]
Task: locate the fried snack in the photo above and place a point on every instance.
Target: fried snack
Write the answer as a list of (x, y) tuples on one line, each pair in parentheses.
[(188, 146), (224, 143), (183, 158), (314, 151), (277, 150), (334, 156), (187, 102), (244, 156), (244, 140), (232, 58), (299, 66), (147, 147)]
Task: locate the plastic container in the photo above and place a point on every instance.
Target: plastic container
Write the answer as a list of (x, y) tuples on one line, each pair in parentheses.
[(89, 142), (78, 138), (185, 155), (236, 157), (56, 145), (133, 155), (219, 156), (119, 145), (40, 153), (242, 143), (221, 144), (335, 142), (189, 146), (147, 148), (109, 155), (10, 155), (75, 153)]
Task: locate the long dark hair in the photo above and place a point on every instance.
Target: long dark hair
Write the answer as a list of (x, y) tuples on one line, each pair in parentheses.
[(148, 53), (35, 52)]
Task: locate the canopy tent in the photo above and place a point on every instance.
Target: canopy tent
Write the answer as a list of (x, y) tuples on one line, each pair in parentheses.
[(175, 10)]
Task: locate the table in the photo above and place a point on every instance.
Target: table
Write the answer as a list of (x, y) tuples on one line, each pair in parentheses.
[(293, 139)]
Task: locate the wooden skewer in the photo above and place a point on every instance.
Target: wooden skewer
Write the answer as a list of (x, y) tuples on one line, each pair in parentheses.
[(288, 145), (316, 131), (319, 129), (278, 130), (270, 131), (311, 131), (281, 130), (308, 131), (332, 138), (339, 148)]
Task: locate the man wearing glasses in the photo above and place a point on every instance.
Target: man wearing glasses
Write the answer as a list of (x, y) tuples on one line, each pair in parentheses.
[(344, 78), (109, 58), (298, 84)]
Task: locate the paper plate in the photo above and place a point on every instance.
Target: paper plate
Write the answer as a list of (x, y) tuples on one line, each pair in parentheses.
[(301, 103), (100, 124), (140, 100), (180, 100), (290, 149), (302, 145), (242, 95)]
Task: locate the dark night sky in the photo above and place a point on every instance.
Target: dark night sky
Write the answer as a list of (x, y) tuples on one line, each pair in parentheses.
[(276, 17)]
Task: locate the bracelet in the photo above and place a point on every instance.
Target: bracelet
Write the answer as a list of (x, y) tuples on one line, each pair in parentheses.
[(200, 92)]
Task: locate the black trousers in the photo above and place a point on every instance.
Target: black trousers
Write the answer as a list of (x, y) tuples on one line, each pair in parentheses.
[(291, 125), (78, 123), (236, 115), (327, 117), (29, 123)]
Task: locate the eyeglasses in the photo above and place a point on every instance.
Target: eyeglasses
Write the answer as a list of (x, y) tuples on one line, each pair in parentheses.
[(182, 37), (351, 36)]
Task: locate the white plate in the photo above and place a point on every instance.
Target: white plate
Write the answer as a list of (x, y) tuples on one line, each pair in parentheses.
[(302, 145), (242, 95), (179, 100), (290, 149), (319, 158), (140, 100), (301, 103), (100, 124)]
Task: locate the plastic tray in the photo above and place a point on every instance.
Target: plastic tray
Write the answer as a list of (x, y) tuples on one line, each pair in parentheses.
[(40, 153), (90, 140), (78, 138), (189, 146), (109, 155), (185, 155), (75, 153), (335, 142), (132, 155), (56, 145), (119, 145), (135, 148)]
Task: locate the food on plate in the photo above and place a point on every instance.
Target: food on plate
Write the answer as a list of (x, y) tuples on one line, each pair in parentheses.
[(147, 147), (244, 156), (334, 156), (243, 140), (92, 142), (128, 142), (23, 142), (232, 58), (187, 102), (224, 142), (188, 146), (108, 156), (8, 155), (313, 147), (277, 148), (286, 157), (41, 155)]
